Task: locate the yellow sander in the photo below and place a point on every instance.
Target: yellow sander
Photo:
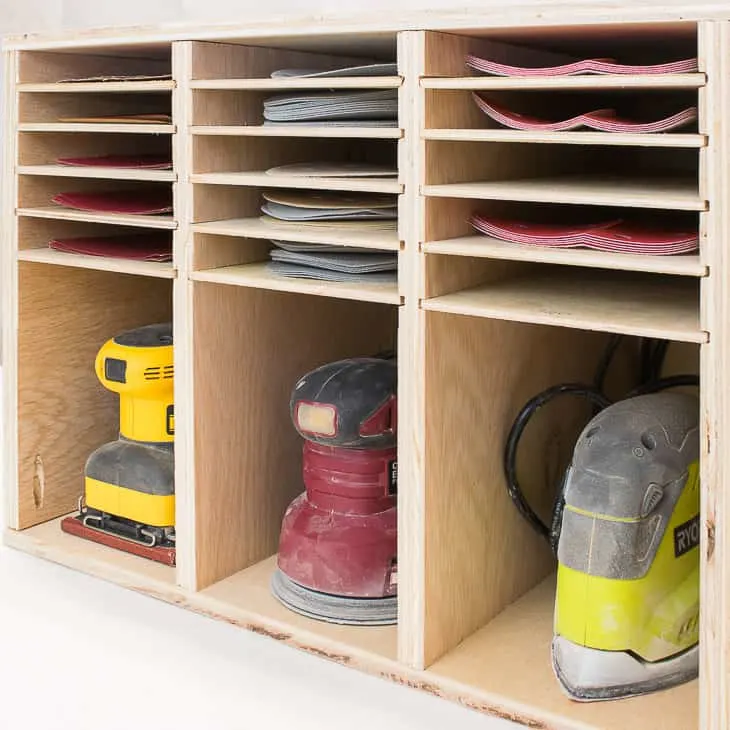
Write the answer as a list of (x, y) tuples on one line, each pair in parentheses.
[(626, 532)]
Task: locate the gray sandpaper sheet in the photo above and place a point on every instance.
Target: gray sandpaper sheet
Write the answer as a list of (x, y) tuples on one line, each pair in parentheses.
[(371, 69), (344, 262), (332, 105), (296, 271)]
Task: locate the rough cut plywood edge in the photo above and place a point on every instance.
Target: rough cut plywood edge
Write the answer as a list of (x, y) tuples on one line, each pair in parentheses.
[(353, 132), (119, 219), (351, 82), (715, 404), (182, 153), (258, 229), (492, 83), (261, 179), (101, 173), (411, 363), (622, 139), (8, 293), (97, 263), (97, 128), (310, 642), (533, 14), (97, 87), (484, 246), (255, 275)]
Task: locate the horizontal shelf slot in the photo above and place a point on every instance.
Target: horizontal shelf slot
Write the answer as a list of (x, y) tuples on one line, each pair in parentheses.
[(598, 83), (261, 179), (624, 139), (256, 228), (484, 246), (666, 194), (259, 277), (104, 173), (631, 304), (499, 661), (99, 87), (250, 590), (353, 132), (98, 263), (97, 128), (294, 84), (119, 219)]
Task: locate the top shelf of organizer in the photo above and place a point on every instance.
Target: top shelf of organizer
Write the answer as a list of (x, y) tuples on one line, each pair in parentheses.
[(142, 69)]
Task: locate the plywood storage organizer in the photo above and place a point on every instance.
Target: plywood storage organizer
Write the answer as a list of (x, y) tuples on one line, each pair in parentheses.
[(480, 325)]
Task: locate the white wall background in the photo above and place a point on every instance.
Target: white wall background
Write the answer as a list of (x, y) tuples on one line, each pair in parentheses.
[(78, 654)]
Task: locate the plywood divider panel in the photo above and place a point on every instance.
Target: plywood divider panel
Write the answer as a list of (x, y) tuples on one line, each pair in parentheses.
[(223, 202), (480, 554), (64, 418), (411, 363), (182, 150), (9, 290), (715, 400), (251, 346), (229, 61), (44, 66), (211, 252)]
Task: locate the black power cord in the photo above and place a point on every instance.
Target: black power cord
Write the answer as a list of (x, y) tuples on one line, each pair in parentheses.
[(652, 355)]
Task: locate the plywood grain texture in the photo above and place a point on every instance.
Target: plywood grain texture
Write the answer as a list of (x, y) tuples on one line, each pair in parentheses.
[(480, 326), (248, 463), (64, 317)]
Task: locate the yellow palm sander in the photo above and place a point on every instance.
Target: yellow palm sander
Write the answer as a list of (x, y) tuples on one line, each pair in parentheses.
[(627, 605), (129, 490)]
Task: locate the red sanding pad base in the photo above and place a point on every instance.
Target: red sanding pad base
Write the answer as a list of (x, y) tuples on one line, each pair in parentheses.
[(74, 526)]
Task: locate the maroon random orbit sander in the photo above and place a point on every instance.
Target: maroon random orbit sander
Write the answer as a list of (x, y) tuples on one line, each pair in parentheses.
[(338, 545)]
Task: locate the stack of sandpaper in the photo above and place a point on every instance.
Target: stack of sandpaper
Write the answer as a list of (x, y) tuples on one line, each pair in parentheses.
[(143, 246), (602, 120), (616, 235), (371, 108), (347, 212), (512, 65)]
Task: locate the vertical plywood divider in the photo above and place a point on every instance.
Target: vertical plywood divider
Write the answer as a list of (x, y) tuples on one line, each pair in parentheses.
[(8, 295), (411, 359), (714, 46), (182, 152)]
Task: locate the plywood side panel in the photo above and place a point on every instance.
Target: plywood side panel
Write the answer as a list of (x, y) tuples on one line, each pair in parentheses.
[(182, 152), (251, 346), (715, 399), (411, 363), (8, 290), (65, 316), (480, 554)]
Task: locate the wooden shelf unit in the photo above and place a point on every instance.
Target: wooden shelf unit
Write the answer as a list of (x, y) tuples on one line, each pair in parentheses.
[(480, 325)]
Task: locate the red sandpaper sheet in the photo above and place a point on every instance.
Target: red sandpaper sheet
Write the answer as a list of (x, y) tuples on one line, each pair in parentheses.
[(581, 66), (136, 162), (74, 526), (611, 235), (137, 202), (149, 246), (601, 120)]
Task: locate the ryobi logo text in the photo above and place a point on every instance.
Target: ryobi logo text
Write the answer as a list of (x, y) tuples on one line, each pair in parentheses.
[(686, 536)]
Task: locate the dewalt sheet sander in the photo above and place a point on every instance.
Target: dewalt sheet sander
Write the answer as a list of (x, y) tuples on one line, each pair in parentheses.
[(128, 501), (625, 530)]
